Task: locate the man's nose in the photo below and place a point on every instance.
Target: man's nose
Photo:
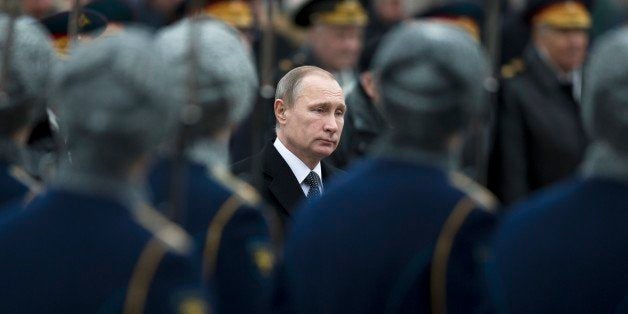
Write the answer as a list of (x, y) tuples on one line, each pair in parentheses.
[(331, 125)]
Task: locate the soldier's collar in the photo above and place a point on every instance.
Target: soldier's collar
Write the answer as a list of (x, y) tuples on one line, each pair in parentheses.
[(96, 184)]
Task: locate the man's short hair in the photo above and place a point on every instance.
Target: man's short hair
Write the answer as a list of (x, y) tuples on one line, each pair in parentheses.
[(290, 84)]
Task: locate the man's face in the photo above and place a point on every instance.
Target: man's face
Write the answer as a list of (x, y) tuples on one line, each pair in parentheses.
[(336, 47), (38, 8), (311, 127), (567, 48), (391, 11)]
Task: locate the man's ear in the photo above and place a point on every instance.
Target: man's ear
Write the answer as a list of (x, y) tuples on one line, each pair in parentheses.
[(280, 111)]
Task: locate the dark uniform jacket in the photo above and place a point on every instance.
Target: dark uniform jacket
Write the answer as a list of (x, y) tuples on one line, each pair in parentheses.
[(231, 235), (539, 137), (564, 251), (390, 237), (71, 252), (278, 185)]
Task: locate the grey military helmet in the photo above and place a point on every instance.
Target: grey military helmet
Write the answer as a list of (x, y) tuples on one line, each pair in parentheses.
[(225, 75), (31, 60), (430, 76), (113, 99), (605, 102)]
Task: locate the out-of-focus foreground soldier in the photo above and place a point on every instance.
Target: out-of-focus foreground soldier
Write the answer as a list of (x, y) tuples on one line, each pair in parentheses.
[(87, 244), (28, 75), (564, 250), (468, 15), (539, 137), (402, 232), (223, 214)]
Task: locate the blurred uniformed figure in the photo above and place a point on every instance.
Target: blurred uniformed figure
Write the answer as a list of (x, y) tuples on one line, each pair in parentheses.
[(223, 214), (23, 99), (402, 232), (334, 36), (564, 250), (539, 138), (88, 245)]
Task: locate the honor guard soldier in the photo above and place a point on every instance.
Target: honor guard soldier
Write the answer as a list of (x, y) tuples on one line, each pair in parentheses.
[(21, 102), (539, 137), (223, 214), (564, 250), (402, 232), (88, 245)]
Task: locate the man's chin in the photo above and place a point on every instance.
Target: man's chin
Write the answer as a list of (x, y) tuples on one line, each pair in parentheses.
[(324, 151)]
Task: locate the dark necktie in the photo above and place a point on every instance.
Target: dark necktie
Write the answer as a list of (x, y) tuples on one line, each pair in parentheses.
[(313, 182)]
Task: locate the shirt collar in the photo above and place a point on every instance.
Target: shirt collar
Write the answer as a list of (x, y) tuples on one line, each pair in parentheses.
[(298, 167)]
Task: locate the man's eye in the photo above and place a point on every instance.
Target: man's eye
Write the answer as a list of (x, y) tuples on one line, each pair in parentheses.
[(340, 112)]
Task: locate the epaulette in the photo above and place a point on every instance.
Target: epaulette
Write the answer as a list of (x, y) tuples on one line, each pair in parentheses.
[(512, 68), (474, 191), (164, 230), (34, 186), (243, 190)]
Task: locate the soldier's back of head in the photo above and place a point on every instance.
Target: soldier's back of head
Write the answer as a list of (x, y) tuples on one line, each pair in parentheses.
[(430, 78)]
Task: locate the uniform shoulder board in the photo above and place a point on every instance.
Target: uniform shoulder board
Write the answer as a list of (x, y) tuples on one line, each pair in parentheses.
[(167, 232), (243, 190), (474, 191), (512, 68)]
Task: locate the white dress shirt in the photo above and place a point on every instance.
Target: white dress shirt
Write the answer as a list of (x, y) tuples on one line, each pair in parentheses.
[(298, 167)]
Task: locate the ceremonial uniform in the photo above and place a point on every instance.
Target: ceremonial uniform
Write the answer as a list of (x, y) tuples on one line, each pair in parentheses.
[(564, 251), (539, 136), (231, 235), (72, 252), (391, 237)]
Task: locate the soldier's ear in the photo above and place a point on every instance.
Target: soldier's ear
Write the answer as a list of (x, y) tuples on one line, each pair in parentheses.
[(280, 111)]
